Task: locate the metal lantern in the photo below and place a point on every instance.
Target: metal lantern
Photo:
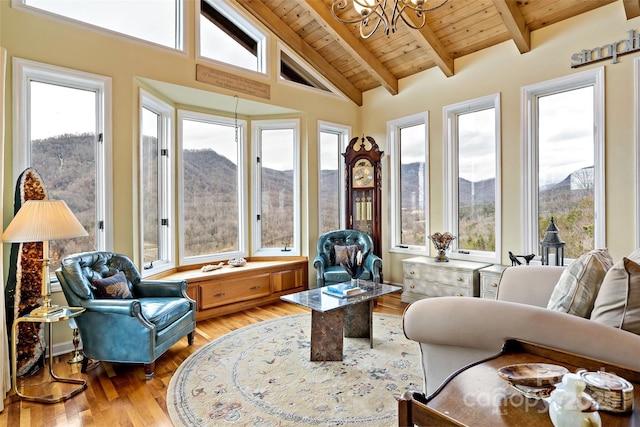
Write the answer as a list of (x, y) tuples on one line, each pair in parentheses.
[(552, 241)]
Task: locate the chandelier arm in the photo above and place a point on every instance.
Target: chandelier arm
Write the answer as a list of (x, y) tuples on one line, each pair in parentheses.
[(364, 23), (342, 5), (409, 22)]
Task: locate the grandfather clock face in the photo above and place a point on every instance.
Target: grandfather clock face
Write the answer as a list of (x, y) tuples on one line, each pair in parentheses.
[(362, 174)]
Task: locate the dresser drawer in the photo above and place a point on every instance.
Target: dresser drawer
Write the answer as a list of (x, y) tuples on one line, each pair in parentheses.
[(435, 289), (438, 275), (489, 286), (218, 293)]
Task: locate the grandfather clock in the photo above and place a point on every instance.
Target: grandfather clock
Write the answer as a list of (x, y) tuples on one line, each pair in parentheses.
[(364, 188)]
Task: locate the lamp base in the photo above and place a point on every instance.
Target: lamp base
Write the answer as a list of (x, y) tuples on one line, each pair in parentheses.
[(45, 311)]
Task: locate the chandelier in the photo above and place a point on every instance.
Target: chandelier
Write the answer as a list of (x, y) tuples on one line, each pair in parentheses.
[(373, 13)]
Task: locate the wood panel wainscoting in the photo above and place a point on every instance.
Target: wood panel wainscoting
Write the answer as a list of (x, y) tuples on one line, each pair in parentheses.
[(231, 289), (119, 395)]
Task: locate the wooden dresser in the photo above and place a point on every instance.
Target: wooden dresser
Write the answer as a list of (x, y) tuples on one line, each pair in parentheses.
[(425, 278), (231, 289)]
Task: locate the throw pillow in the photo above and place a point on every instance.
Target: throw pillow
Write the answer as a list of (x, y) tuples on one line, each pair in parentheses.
[(618, 303), (115, 287), (578, 286), (343, 253)]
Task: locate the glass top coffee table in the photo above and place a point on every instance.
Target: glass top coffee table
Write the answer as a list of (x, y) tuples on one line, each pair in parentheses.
[(333, 318)]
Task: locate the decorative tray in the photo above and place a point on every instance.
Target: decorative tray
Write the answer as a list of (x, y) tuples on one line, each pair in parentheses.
[(535, 380)]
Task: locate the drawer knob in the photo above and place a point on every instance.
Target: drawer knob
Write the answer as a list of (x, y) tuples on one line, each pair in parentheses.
[(412, 286), (412, 272), (218, 295), (494, 285), (253, 288), (459, 295), (460, 279)]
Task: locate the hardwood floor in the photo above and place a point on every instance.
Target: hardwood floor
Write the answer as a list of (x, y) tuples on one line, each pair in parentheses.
[(118, 395)]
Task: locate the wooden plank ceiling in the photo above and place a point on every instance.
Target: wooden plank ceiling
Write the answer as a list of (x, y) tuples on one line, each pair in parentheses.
[(460, 27)]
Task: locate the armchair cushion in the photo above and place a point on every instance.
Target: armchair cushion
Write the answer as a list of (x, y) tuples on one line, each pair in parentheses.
[(579, 283), (115, 286), (163, 312)]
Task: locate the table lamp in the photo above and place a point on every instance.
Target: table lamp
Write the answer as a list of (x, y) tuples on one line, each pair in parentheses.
[(41, 221)]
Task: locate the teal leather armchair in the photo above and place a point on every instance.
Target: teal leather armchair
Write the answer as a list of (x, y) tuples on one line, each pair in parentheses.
[(329, 271), (138, 329)]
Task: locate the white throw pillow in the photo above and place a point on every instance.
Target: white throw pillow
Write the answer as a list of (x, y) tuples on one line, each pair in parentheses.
[(578, 286)]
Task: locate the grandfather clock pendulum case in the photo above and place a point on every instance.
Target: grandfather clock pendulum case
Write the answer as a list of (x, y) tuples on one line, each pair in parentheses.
[(364, 188)]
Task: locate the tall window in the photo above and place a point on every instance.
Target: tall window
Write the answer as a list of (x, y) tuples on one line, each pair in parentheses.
[(212, 188), (156, 21), (227, 37), (276, 187), (564, 151), (409, 173), (472, 194), (332, 143), (156, 124), (59, 129)]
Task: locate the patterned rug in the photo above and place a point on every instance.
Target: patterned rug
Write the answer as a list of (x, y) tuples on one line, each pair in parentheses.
[(261, 375)]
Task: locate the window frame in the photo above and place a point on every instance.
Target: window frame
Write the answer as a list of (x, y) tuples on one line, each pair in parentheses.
[(344, 134), (395, 147), (242, 195), (181, 25), (530, 93), (257, 126), (451, 173), (248, 27), (25, 71), (165, 196)]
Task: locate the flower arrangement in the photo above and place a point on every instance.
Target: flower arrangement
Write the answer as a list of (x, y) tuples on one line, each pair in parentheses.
[(353, 265), (442, 241)]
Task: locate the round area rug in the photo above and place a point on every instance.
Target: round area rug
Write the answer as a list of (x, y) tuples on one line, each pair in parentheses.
[(261, 375)]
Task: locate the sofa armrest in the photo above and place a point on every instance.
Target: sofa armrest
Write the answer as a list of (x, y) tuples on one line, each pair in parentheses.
[(529, 284), (319, 265), (455, 331)]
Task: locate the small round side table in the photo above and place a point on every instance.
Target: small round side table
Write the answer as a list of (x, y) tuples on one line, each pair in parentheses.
[(64, 314)]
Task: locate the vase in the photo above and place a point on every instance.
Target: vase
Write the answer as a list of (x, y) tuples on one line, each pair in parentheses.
[(354, 282), (442, 256)]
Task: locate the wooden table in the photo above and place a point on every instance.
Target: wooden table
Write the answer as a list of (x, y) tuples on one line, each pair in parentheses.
[(477, 396), (333, 318)]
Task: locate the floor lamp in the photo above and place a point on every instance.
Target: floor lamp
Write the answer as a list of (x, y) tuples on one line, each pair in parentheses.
[(41, 221)]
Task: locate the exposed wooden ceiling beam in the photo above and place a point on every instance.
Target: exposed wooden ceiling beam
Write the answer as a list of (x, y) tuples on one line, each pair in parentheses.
[(515, 23), (427, 39), (631, 8), (288, 36), (353, 45)]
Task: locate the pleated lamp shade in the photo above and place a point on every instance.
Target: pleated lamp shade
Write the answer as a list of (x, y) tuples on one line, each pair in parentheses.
[(43, 220)]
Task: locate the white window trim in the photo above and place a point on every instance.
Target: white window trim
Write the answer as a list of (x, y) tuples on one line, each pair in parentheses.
[(450, 136), (25, 71), (166, 201), (247, 25), (395, 192), (242, 195), (182, 29), (344, 133), (257, 126), (636, 107), (331, 91), (595, 77)]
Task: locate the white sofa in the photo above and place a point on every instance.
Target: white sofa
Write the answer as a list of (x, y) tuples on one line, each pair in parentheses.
[(455, 331)]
